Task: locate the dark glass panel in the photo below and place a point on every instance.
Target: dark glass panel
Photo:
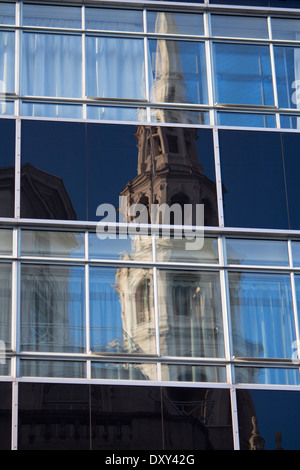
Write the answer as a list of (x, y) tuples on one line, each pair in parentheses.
[(114, 163), (126, 418), (53, 179), (271, 413), (284, 3), (150, 165), (290, 147), (253, 179), (7, 164), (5, 416), (53, 417), (197, 419)]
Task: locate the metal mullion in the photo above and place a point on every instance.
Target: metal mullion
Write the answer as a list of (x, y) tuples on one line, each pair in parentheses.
[(14, 427), (209, 66), (273, 71), (234, 416), (83, 64), (218, 176), (18, 55)]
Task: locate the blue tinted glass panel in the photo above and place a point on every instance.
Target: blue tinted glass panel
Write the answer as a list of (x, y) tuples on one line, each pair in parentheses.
[(239, 26), (285, 28), (52, 308), (51, 65), (275, 430), (287, 60), (253, 179), (261, 310), (7, 62), (179, 116), (267, 375), (111, 113), (113, 20), (243, 74), (257, 252), (51, 16), (246, 119), (7, 108), (52, 110), (289, 122), (121, 310), (178, 71), (115, 68), (7, 13)]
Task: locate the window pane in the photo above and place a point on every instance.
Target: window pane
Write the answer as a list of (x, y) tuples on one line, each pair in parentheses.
[(5, 308), (122, 316), (274, 414), (115, 68), (261, 310), (190, 314), (168, 249), (197, 419), (52, 244), (257, 252), (5, 242), (267, 375), (126, 247), (7, 167), (7, 13), (52, 369), (7, 108), (257, 161), (191, 373), (110, 113), (52, 308), (286, 29), (53, 174), (289, 122), (239, 26), (133, 420), (243, 74), (296, 253), (7, 62), (287, 76), (52, 65), (124, 371), (53, 416), (5, 415), (175, 23), (109, 19), (290, 142), (178, 71), (52, 110), (179, 116), (246, 119), (51, 16)]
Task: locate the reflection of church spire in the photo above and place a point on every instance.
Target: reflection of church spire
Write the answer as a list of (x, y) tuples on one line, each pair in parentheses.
[(169, 83), (256, 441)]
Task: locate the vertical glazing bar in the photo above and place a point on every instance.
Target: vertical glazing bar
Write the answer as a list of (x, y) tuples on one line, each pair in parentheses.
[(14, 428), (146, 62), (209, 71), (272, 58), (17, 57), (87, 302), (218, 177), (234, 414), (15, 300), (84, 111), (17, 168)]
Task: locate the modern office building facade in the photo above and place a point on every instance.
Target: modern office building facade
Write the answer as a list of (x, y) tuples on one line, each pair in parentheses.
[(150, 225)]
